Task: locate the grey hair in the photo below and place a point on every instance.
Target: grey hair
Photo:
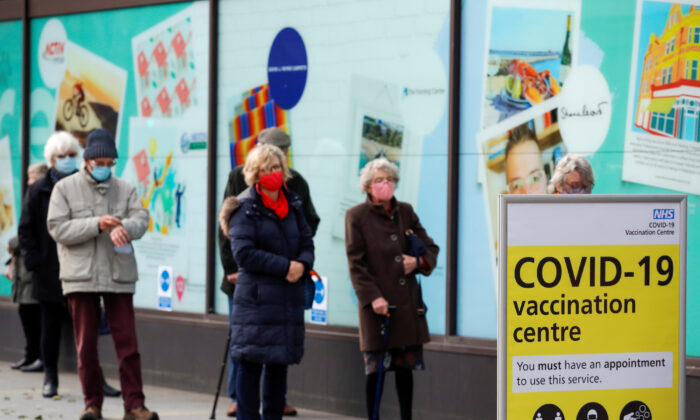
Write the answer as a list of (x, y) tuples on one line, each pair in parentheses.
[(58, 143), (568, 164), (258, 157), (372, 167)]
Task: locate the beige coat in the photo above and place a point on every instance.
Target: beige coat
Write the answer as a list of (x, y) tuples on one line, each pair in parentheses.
[(87, 257)]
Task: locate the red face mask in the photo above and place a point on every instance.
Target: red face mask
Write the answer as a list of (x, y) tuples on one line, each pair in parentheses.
[(272, 181)]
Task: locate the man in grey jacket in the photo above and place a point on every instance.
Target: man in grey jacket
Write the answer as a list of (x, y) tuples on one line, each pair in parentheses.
[(93, 217)]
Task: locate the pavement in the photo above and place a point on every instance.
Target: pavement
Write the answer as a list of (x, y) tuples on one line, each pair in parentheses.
[(20, 398)]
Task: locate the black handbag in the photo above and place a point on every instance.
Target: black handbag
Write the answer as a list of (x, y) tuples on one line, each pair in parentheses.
[(416, 248)]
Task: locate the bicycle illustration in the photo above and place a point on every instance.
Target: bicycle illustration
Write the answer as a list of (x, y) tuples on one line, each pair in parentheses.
[(75, 106)]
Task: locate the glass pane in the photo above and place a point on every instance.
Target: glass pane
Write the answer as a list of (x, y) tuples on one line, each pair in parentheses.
[(10, 141), (148, 87), (383, 68)]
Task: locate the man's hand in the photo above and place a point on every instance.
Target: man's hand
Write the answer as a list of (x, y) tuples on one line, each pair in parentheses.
[(232, 278), (108, 222), (296, 270), (119, 236), (380, 306), (410, 263)]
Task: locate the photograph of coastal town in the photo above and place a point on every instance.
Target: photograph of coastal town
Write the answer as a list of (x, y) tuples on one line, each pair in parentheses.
[(530, 53), (380, 139)]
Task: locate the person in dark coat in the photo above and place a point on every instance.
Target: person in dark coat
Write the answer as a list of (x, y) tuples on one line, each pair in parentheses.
[(272, 245), (38, 250), (383, 273), (28, 308), (236, 185)]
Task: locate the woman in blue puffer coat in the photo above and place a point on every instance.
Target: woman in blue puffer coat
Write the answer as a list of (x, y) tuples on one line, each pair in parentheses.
[(273, 247)]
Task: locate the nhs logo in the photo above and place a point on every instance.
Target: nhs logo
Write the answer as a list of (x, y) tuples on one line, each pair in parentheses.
[(663, 213)]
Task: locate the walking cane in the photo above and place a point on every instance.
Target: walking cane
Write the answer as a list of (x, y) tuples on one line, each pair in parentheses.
[(221, 376), (380, 378)]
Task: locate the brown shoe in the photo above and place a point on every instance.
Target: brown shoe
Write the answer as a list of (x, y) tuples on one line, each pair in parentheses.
[(140, 413), (289, 411), (231, 410), (91, 412)]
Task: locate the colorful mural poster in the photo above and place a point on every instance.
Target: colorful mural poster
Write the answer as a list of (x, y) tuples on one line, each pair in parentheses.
[(91, 94), (165, 171), (164, 66), (250, 113), (532, 46), (663, 120)]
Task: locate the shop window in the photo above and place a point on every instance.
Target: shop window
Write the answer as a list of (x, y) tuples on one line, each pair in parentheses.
[(149, 88)]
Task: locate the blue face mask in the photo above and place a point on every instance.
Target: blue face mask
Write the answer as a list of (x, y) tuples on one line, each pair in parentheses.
[(101, 173), (66, 165)]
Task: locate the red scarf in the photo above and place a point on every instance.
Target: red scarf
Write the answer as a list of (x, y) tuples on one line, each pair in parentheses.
[(280, 207)]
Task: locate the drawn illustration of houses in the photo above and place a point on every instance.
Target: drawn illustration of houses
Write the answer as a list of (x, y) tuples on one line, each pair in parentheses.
[(669, 93)]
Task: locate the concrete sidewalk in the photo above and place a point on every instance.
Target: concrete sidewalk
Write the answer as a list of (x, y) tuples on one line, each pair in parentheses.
[(20, 398)]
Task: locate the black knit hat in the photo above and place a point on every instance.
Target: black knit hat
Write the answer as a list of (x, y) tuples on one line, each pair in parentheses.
[(100, 144)]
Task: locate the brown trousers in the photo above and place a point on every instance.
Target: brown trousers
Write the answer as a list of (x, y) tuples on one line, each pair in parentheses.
[(119, 308)]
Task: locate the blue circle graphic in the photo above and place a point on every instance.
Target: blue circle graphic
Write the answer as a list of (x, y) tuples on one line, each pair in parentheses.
[(164, 282), (320, 292), (287, 68)]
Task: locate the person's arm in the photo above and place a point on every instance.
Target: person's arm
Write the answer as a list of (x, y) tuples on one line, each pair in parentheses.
[(69, 227), (247, 255), (306, 244), (225, 254), (356, 248), (428, 261), (310, 214), (29, 248), (136, 221)]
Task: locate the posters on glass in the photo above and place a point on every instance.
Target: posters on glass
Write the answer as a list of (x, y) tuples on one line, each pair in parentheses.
[(164, 171), (663, 114), (165, 69), (90, 95), (374, 86), (532, 45), (518, 160)]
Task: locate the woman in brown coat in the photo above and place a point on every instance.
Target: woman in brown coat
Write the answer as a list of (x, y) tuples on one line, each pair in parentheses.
[(383, 275)]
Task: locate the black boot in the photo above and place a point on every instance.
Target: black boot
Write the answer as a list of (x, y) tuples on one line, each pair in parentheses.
[(21, 363), (108, 390), (35, 366), (50, 389)]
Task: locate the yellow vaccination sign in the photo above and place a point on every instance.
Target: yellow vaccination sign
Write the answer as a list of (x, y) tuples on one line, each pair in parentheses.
[(591, 310)]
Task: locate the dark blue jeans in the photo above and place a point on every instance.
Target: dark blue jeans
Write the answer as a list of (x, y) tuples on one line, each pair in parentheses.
[(232, 364), (248, 390)]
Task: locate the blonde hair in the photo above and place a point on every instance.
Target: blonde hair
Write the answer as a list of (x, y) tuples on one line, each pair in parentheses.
[(59, 142), (37, 171), (261, 155)]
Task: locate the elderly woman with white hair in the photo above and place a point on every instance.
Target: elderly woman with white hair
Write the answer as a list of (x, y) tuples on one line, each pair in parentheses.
[(572, 175), (38, 250), (380, 239), (273, 248)]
